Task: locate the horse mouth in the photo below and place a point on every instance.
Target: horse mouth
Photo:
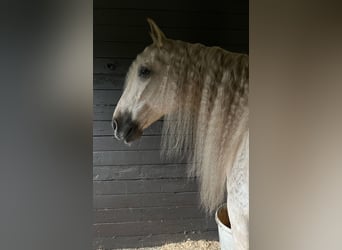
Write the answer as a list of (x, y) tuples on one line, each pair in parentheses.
[(132, 134), (126, 129)]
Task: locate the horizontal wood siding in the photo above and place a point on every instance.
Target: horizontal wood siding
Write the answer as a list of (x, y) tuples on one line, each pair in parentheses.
[(152, 227), (139, 199), (146, 200), (145, 214), (138, 172), (214, 6)]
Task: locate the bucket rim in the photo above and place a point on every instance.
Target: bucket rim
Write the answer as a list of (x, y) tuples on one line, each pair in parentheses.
[(218, 221)]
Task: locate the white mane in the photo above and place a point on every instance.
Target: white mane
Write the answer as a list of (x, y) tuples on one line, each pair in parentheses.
[(206, 127)]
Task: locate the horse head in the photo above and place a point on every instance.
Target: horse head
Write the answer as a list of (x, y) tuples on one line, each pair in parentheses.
[(142, 102)]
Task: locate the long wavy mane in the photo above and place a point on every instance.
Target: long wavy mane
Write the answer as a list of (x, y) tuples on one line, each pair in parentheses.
[(211, 113)]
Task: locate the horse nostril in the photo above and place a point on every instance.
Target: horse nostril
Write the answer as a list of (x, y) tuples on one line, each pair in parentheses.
[(114, 124)]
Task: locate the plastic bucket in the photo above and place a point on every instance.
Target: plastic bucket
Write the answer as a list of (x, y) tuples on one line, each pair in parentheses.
[(224, 230)]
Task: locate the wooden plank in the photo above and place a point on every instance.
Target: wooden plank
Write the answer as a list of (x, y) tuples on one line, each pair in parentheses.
[(118, 49), (131, 158), (141, 35), (105, 173), (132, 49), (104, 128), (152, 240), (104, 82), (192, 5), (118, 67), (146, 214), (152, 227), (146, 200), (103, 113), (171, 19), (145, 186), (106, 97), (108, 143)]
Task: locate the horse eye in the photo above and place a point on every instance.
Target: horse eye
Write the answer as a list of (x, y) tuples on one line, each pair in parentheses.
[(144, 72)]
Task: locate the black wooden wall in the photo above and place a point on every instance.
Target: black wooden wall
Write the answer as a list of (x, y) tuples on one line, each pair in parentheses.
[(140, 200)]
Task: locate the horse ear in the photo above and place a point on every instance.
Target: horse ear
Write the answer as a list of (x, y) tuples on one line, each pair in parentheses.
[(157, 35)]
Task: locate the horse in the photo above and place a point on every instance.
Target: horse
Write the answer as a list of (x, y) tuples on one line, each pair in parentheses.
[(202, 93)]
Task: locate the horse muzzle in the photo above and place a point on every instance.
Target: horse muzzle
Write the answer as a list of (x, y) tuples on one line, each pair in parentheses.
[(125, 128)]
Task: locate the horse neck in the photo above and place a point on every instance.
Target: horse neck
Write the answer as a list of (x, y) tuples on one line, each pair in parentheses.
[(192, 68), (203, 73)]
